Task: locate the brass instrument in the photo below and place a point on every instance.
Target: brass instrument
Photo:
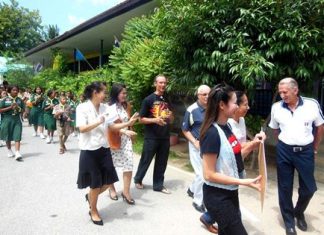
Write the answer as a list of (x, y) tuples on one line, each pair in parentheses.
[(17, 109), (38, 98)]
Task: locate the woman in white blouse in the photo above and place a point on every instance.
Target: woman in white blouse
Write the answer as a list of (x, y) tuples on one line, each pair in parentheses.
[(238, 126), (96, 169)]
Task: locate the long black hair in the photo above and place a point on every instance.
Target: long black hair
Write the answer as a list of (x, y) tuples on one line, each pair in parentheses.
[(97, 86), (10, 87), (239, 96), (114, 93), (217, 94), (39, 88), (50, 92)]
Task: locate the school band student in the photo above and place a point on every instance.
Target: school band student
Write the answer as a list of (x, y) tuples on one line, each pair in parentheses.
[(11, 109), (96, 169), (26, 99), (223, 167), (49, 119), (72, 101), (62, 113), (3, 95), (121, 142), (37, 113)]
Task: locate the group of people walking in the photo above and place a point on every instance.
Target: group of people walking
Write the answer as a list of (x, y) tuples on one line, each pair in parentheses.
[(214, 127), (52, 111), (97, 121)]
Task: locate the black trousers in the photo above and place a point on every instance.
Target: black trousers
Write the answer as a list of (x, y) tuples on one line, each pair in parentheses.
[(223, 206), (288, 159), (160, 149)]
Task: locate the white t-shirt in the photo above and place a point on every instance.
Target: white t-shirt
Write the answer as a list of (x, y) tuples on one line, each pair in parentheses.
[(86, 114), (238, 129), (296, 128)]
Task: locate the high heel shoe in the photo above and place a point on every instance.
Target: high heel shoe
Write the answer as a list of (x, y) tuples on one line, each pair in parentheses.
[(115, 198), (129, 201), (96, 222), (87, 199)]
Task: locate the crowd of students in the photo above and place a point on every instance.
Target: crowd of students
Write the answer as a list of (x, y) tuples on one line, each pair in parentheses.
[(50, 110)]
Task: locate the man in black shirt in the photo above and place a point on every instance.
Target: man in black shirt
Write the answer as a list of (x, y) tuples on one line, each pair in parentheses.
[(156, 115)]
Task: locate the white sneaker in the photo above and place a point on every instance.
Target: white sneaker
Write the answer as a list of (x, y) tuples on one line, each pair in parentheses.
[(18, 156), (52, 140), (35, 134), (10, 153), (48, 140), (42, 136)]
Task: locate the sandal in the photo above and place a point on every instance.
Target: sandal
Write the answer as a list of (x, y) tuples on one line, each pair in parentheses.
[(211, 228), (61, 151), (139, 186), (165, 190)]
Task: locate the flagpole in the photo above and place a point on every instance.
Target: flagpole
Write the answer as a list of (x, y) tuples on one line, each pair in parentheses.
[(79, 56), (88, 63)]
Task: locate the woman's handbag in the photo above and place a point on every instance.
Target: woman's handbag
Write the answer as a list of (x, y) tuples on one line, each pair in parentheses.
[(114, 138)]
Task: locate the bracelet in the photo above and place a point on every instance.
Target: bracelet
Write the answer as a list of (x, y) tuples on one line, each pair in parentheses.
[(315, 151)]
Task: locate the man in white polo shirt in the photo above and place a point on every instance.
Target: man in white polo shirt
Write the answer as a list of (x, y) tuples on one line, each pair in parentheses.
[(294, 118)]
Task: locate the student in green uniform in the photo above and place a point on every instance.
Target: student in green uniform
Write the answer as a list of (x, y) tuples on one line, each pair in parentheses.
[(3, 95), (73, 104), (49, 120), (11, 109), (36, 113), (62, 114)]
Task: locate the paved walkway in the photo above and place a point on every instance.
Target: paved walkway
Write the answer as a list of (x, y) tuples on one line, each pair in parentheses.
[(39, 196)]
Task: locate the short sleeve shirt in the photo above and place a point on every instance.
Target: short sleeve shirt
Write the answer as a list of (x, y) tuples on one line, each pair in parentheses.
[(66, 109), (8, 101), (296, 128), (72, 104), (97, 137), (238, 129), (211, 143), (48, 102), (193, 119), (154, 106), (38, 98)]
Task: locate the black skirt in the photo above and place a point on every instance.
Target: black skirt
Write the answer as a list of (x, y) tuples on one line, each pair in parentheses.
[(96, 168)]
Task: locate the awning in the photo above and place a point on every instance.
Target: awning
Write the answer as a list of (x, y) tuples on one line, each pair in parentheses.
[(88, 35)]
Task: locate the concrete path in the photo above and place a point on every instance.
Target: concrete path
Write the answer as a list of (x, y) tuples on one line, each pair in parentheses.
[(40, 196)]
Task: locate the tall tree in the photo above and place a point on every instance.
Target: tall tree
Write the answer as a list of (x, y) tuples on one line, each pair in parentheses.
[(237, 41), (20, 28), (51, 31)]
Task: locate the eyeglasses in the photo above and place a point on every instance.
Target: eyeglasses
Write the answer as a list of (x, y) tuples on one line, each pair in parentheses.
[(204, 94)]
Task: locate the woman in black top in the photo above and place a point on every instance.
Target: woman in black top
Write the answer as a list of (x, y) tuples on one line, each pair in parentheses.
[(223, 167)]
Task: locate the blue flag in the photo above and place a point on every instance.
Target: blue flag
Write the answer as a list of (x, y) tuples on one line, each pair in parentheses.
[(78, 55)]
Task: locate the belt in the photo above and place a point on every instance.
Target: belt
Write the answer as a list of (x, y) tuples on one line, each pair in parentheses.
[(298, 148)]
